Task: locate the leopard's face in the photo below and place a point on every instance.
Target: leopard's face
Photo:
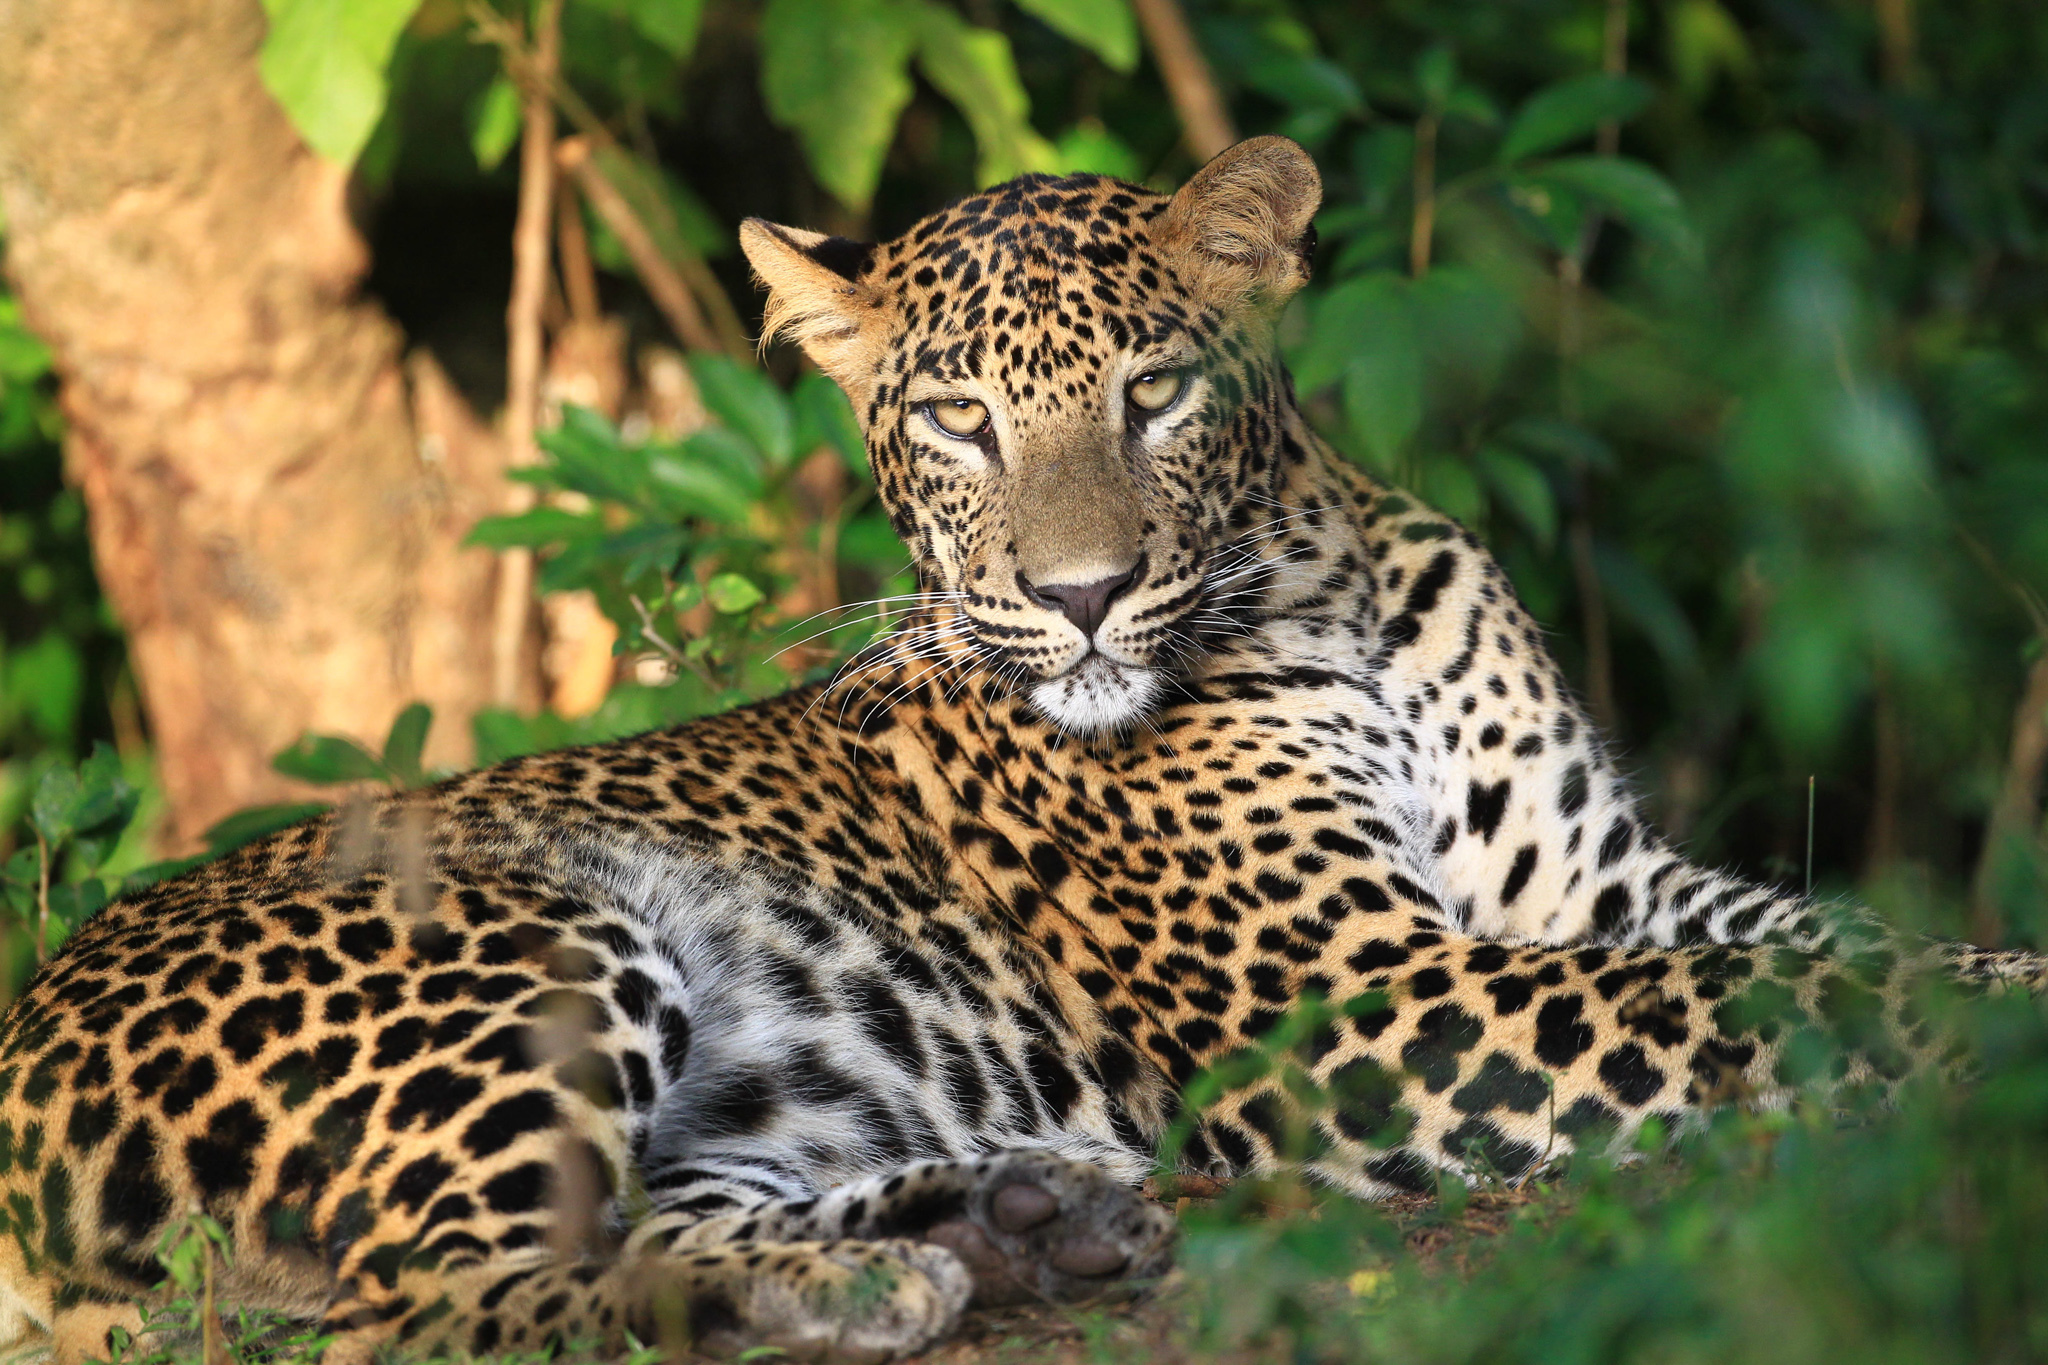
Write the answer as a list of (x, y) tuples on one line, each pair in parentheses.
[(1067, 393)]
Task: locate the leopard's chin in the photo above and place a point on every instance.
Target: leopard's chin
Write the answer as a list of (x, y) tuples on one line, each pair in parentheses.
[(1099, 696)]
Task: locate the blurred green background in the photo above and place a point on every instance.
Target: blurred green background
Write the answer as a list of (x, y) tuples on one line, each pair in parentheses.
[(1724, 324)]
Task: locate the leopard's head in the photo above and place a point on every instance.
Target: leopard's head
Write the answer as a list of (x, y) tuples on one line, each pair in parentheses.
[(1071, 396)]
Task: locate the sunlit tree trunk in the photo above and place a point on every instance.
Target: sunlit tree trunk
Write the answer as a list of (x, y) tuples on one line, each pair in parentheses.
[(277, 497)]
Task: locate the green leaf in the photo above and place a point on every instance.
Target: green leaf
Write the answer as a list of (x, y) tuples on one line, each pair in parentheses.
[(1703, 41), (534, 528), (1382, 373), (836, 72), (328, 759), (56, 797), (1089, 148), (46, 679), (407, 741), (106, 801), (1570, 110), (731, 593), (974, 68), (1524, 490), (669, 24), (325, 62), (590, 458), (1631, 192), (1104, 27), (23, 356), (748, 401), (696, 482), (1436, 74), (824, 417), (494, 122), (1343, 316)]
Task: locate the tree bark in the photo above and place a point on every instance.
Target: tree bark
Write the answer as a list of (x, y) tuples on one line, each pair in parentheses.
[(277, 498)]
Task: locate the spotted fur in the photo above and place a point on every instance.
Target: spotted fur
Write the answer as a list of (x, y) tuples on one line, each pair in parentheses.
[(810, 1023)]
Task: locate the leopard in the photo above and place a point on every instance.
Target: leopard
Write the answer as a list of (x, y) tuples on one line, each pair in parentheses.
[(815, 1023)]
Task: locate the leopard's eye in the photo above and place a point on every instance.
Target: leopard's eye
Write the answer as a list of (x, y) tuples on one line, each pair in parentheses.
[(1156, 390), (962, 417)]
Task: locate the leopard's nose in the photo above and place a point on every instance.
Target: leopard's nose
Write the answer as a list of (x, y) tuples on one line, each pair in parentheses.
[(1085, 604)]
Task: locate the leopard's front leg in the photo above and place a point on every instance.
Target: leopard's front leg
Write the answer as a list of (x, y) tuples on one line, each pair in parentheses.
[(1027, 1225)]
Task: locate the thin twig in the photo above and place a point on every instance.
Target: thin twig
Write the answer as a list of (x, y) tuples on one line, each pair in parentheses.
[(530, 234), (1204, 121), (42, 899), (1614, 62), (1881, 838), (1422, 230), (572, 246), (492, 27), (664, 285), (2016, 816), (1901, 76)]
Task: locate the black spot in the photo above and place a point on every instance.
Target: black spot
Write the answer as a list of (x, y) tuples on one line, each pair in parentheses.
[(1587, 1117), (91, 1121), (223, 1159), (1518, 874), (1562, 1034), (400, 1041), (365, 940), (1484, 807), (1620, 837), (735, 1102), (418, 1181), (1365, 1096), (1511, 994), (1571, 793), (1501, 1084), (1611, 910), (1429, 983), (518, 1190), (1440, 1036), (435, 1094), (1486, 1147), (1404, 1171), (249, 1029), (509, 1119), (1377, 955), (133, 1197), (1628, 1073)]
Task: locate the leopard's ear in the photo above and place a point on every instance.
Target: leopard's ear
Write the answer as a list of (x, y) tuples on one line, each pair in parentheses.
[(816, 296), (1246, 218)]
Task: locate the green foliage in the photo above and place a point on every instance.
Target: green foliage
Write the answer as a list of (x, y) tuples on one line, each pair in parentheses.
[(838, 73), (1914, 1236), (192, 1327), (325, 62), (334, 760), (688, 545)]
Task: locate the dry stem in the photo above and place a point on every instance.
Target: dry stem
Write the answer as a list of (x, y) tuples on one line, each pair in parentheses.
[(2015, 819), (530, 233), (1205, 123), (664, 285), (1422, 230), (42, 899)]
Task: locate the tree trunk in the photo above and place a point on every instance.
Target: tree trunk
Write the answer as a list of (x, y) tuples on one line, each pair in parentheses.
[(277, 499)]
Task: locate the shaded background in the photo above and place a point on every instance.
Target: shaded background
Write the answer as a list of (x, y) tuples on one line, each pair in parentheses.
[(1723, 323)]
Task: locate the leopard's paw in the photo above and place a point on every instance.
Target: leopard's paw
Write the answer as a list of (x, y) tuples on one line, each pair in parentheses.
[(1038, 1226)]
